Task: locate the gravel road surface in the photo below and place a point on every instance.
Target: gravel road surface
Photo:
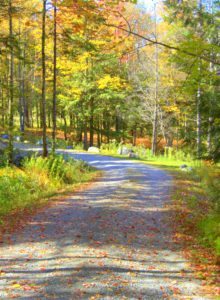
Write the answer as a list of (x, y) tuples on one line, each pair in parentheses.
[(110, 241)]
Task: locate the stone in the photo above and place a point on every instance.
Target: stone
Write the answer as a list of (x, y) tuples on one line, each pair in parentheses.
[(123, 151), (185, 168), (133, 155), (93, 150), (17, 138), (182, 167)]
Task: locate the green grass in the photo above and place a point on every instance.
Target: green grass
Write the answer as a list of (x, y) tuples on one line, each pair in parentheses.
[(39, 178)]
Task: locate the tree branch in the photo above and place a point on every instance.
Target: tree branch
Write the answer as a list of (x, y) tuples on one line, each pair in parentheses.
[(164, 45)]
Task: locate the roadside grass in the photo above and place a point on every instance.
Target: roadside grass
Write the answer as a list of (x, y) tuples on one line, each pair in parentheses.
[(196, 222), (31, 186)]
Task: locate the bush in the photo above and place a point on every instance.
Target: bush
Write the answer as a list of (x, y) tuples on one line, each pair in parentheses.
[(13, 192), (208, 222), (210, 232), (110, 148), (38, 178), (57, 169), (78, 146), (210, 181)]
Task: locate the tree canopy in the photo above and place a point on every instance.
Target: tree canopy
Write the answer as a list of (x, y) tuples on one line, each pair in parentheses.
[(111, 70)]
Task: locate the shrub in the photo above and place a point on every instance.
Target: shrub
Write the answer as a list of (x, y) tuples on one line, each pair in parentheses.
[(38, 178), (210, 232)]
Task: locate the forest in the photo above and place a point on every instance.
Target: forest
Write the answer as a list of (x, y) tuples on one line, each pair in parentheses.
[(109, 149), (94, 72)]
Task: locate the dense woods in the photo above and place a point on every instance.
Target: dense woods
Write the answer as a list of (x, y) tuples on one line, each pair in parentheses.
[(136, 84), (100, 71)]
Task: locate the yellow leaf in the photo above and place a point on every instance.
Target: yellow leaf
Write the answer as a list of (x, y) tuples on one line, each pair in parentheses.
[(16, 286)]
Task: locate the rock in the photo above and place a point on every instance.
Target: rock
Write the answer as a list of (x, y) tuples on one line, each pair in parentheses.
[(183, 167), (17, 138), (133, 155), (123, 151), (93, 150)]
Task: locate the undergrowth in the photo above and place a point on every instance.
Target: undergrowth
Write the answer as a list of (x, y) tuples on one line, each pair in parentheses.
[(37, 178), (209, 225), (169, 157), (198, 198)]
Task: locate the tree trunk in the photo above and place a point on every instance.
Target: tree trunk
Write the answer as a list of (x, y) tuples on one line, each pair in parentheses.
[(155, 115), (54, 78), (99, 133), (43, 104), (198, 97), (65, 127), (134, 134), (91, 125), (11, 85), (3, 106), (85, 137), (21, 67)]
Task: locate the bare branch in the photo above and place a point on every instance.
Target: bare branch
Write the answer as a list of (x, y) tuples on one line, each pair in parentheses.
[(165, 45)]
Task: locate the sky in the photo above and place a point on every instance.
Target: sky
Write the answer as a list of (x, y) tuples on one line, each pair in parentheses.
[(148, 4)]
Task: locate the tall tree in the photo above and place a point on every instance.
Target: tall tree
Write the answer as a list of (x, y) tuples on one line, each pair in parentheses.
[(43, 99), (11, 84), (54, 75)]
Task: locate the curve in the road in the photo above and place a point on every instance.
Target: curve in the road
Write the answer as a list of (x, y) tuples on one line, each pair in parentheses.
[(111, 241)]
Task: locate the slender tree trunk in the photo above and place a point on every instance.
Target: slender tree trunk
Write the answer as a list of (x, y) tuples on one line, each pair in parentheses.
[(72, 123), (91, 121), (21, 98), (54, 78), (3, 106), (65, 126), (21, 67), (11, 85), (198, 122), (99, 133), (134, 133), (155, 115), (44, 129), (78, 130), (85, 137), (211, 106), (37, 115), (198, 97)]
